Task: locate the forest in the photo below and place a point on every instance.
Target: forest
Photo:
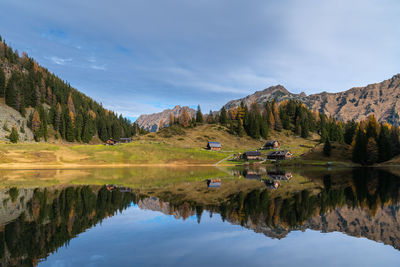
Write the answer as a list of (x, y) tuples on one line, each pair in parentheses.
[(51, 103)]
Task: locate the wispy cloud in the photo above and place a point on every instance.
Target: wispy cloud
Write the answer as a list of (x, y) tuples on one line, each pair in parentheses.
[(60, 61), (98, 67)]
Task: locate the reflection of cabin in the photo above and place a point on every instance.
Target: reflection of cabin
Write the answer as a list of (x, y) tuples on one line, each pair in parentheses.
[(279, 155), (110, 187), (125, 140), (214, 183), (111, 142), (280, 175), (271, 144), (252, 155), (252, 175), (124, 189), (214, 146), (272, 184)]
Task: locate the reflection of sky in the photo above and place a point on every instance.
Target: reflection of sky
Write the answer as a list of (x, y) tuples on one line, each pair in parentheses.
[(138, 237)]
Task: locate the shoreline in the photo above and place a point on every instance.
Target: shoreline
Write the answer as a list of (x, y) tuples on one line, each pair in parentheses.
[(27, 166)]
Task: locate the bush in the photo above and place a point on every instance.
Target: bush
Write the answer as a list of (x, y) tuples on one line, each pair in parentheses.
[(14, 135), (5, 127)]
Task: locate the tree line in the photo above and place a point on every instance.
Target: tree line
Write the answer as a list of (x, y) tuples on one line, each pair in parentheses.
[(46, 100)]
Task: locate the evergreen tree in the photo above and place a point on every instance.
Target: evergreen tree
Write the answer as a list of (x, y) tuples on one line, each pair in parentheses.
[(69, 129), (240, 130), (2, 83), (327, 148), (372, 151), (360, 147), (14, 135), (210, 118), (384, 145), (199, 115), (223, 117), (349, 131), (395, 140)]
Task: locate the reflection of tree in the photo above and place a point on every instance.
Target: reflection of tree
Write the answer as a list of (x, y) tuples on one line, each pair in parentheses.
[(369, 190), (53, 218)]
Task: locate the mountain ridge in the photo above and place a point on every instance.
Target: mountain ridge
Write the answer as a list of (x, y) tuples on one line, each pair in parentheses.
[(355, 103)]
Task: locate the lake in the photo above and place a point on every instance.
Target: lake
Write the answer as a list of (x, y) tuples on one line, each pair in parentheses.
[(200, 217)]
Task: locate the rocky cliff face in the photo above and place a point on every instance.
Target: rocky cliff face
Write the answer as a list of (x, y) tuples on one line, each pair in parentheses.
[(152, 122), (10, 118), (381, 99)]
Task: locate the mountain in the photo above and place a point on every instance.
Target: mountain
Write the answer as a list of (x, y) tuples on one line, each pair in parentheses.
[(151, 122), (48, 106), (381, 99)]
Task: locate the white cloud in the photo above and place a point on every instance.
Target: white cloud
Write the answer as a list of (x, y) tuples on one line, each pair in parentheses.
[(60, 61)]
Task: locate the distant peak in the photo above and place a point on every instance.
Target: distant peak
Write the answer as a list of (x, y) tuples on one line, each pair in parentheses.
[(177, 107), (275, 88)]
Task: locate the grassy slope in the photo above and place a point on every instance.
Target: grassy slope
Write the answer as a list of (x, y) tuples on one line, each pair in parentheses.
[(174, 146), (341, 154)]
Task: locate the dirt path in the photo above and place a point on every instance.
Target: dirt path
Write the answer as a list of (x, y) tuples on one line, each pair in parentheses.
[(228, 157)]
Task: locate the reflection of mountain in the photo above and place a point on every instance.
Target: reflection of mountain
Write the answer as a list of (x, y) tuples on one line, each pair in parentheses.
[(36, 222), (366, 206)]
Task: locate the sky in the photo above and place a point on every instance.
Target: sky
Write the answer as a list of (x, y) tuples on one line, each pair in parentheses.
[(142, 56)]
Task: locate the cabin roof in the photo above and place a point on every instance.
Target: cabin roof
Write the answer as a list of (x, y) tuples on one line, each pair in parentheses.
[(271, 142), (252, 153), (278, 153), (214, 144)]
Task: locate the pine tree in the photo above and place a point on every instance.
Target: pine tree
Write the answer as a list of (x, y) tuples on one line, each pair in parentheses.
[(264, 127), (2, 83), (384, 145), (372, 151), (395, 140), (240, 130), (210, 118), (349, 131), (223, 116), (14, 135), (360, 147), (327, 148), (199, 115)]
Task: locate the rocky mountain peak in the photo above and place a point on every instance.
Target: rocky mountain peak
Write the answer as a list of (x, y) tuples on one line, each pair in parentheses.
[(152, 122)]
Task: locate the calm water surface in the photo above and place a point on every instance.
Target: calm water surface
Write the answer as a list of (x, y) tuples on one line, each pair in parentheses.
[(254, 217)]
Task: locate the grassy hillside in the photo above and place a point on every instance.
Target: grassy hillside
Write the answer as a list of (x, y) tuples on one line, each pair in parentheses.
[(174, 146), (199, 136)]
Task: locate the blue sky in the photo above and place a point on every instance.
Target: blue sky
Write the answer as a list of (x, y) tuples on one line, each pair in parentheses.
[(144, 56)]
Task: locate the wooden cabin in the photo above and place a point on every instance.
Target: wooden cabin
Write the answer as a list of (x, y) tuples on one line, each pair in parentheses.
[(271, 144), (125, 140), (214, 146), (252, 155), (111, 142), (279, 155)]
